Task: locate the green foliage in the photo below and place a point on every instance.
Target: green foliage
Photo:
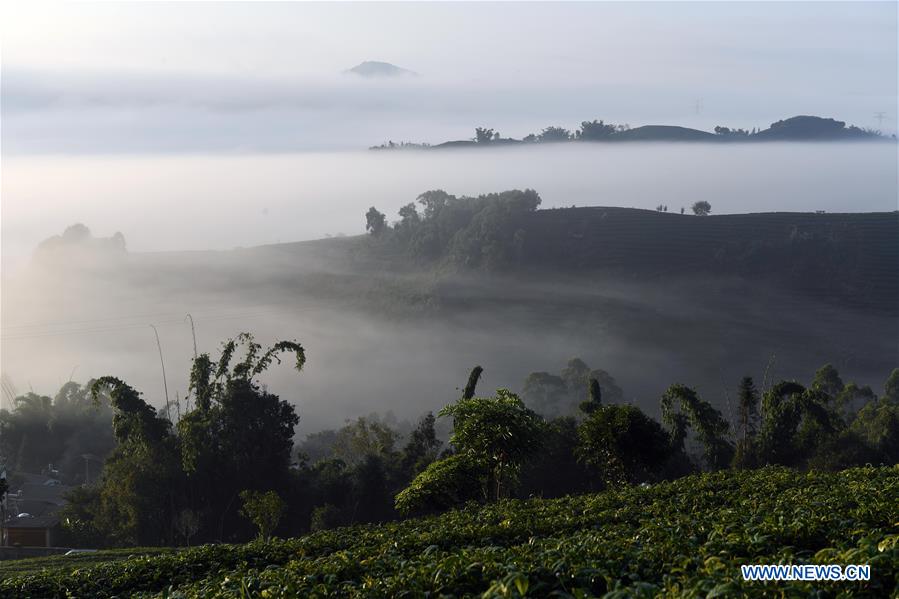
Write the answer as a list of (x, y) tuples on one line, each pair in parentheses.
[(877, 426), (595, 130), (39, 431), (686, 538), (472, 384), (500, 430), (484, 135), (238, 436), (625, 445), (748, 406), (555, 471), (444, 484), (364, 437), (565, 394), (326, 517), (473, 232), (594, 398), (891, 387), (422, 446), (264, 510), (375, 222), (708, 423), (701, 208), (550, 134)]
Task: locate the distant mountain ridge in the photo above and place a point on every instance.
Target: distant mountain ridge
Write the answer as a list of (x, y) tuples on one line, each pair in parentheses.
[(376, 69), (797, 128)]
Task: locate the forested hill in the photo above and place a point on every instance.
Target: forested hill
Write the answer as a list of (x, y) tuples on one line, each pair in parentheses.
[(797, 128)]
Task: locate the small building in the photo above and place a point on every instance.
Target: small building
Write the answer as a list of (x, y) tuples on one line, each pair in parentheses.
[(31, 531), (32, 519)]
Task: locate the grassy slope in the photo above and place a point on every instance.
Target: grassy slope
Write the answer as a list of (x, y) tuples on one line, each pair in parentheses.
[(850, 258), (685, 538)]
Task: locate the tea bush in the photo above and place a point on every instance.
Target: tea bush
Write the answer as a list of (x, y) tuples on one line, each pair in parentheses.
[(685, 538)]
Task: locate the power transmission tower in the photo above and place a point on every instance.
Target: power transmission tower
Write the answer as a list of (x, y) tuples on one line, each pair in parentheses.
[(698, 105), (880, 116)]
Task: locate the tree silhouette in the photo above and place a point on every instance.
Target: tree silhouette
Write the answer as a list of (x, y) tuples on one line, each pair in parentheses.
[(702, 208), (375, 222)]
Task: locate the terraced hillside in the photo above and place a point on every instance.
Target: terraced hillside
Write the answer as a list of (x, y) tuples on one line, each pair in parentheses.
[(681, 539), (850, 258)]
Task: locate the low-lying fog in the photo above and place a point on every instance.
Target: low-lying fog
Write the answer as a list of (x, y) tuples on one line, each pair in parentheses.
[(192, 202), (76, 325), (360, 361)]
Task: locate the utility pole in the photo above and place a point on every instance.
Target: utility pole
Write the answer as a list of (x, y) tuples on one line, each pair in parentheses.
[(165, 384)]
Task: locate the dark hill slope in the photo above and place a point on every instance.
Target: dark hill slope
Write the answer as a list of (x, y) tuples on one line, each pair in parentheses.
[(847, 257), (664, 133)]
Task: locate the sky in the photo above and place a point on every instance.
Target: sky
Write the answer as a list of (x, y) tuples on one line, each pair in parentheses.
[(251, 77)]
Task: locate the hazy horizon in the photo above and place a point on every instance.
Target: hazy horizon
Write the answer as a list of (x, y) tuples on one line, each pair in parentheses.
[(150, 78)]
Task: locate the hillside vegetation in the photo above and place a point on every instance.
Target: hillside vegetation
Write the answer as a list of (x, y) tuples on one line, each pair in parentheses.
[(797, 128), (848, 258), (684, 538)]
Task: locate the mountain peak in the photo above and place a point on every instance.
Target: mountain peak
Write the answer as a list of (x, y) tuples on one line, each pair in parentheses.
[(374, 68)]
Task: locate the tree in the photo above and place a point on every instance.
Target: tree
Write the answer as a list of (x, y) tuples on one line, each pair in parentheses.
[(891, 387), (555, 471), (238, 436), (472, 384), (142, 477), (264, 510), (236, 427), (701, 208), (445, 484), (554, 134), (422, 447), (409, 221), (624, 444), (362, 438), (546, 393), (682, 407), (375, 222), (748, 398), (746, 449), (594, 400), (484, 135), (500, 430), (595, 130), (827, 380), (563, 395), (433, 202), (187, 523), (782, 409)]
